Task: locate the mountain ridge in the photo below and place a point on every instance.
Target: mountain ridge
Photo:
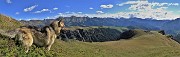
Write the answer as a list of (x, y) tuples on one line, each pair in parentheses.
[(147, 24)]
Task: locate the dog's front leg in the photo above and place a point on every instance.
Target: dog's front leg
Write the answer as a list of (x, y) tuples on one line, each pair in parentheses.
[(27, 49), (52, 39), (48, 47)]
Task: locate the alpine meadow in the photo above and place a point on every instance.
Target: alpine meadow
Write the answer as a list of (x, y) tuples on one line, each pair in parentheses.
[(89, 28)]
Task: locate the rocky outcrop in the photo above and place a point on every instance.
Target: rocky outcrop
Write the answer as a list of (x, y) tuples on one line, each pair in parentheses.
[(127, 34), (102, 34), (162, 32), (91, 35)]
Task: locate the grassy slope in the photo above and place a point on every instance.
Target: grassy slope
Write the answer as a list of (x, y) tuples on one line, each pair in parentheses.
[(144, 45), (7, 23)]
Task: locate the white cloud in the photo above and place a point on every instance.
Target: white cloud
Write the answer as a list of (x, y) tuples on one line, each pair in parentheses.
[(80, 12), (163, 7), (176, 4), (46, 10), (67, 12), (37, 12), (105, 15), (47, 18), (60, 13), (30, 8), (99, 12), (106, 6), (140, 9), (91, 8), (147, 3), (145, 9), (55, 8), (17, 13), (8, 1), (157, 14), (43, 10)]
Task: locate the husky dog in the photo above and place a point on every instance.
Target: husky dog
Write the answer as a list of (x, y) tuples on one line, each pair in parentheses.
[(44, 37)]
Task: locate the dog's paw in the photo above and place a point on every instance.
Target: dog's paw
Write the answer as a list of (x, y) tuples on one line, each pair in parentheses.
[(26, 51)]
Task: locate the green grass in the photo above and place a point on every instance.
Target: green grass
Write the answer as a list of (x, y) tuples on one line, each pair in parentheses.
[(8, 23), (147, 45)]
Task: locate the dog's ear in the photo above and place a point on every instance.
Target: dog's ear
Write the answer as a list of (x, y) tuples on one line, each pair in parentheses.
[(61, 20), (61, 23)]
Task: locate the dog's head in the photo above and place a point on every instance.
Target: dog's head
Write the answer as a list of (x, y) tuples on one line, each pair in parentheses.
[(61, 23), (57, 25)]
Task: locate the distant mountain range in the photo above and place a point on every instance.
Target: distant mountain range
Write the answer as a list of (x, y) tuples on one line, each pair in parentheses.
[(170, 26)]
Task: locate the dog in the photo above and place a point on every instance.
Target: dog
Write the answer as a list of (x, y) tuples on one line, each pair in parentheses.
[(43, 37)]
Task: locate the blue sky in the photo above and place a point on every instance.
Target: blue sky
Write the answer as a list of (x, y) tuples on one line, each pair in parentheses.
[(40, 9)]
